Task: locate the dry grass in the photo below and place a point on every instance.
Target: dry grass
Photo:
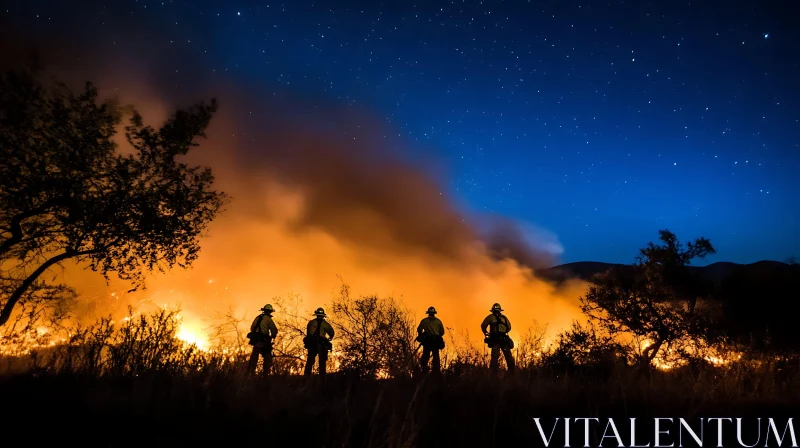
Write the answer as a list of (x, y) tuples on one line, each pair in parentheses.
[(136, 383), (462, 411)]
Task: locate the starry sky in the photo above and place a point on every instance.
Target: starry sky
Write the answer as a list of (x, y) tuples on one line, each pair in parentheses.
[(599, 121)]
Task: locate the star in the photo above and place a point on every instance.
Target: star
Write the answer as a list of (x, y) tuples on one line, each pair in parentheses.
[(530, 97)]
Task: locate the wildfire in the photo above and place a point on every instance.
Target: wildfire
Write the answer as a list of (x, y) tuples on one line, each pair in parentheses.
[(192, 335), (24, 344), (717, 357)]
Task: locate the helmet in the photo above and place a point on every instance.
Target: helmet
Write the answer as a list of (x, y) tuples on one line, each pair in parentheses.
[(319, 312), (268, 308), (496, 307), (431, 310)]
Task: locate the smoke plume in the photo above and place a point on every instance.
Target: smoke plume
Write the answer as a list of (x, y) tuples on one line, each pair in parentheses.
[(320, 191)]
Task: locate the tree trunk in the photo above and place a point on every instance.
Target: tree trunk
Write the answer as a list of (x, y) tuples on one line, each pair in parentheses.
[(651, 352), (5, 314)]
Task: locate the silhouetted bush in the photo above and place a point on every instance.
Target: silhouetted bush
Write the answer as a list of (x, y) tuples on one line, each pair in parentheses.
[(582, 348), (375, 336)]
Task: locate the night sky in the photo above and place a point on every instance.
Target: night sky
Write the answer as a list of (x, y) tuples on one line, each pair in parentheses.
[(600, 121)]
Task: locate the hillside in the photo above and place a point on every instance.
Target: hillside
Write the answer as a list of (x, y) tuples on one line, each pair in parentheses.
[(716, 273)]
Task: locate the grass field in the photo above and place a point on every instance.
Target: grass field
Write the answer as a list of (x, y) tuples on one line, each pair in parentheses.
[(226, 407), (138, 383)]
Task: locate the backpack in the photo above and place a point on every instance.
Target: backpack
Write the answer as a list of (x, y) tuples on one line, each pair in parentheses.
[(312, 342), (496, 338), (430, 340), (257, 337)]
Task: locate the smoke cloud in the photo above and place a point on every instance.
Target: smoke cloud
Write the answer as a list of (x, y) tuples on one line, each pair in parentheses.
[(320, 191)]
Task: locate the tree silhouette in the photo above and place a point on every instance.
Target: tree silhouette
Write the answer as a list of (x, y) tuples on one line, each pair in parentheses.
[(655, 299), (375, 335), (66, 192)]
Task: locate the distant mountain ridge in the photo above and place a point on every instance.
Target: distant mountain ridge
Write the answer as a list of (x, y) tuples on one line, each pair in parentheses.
[(715, 272)]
